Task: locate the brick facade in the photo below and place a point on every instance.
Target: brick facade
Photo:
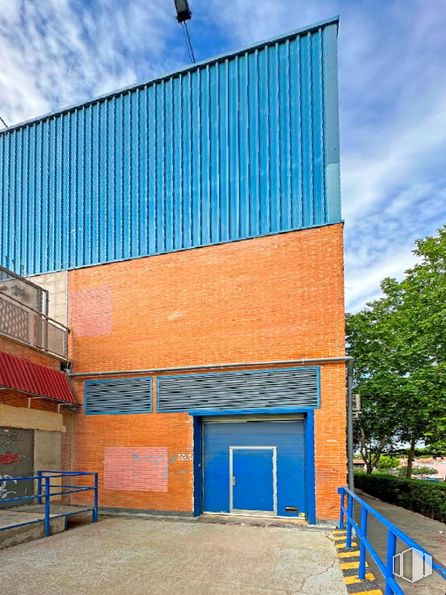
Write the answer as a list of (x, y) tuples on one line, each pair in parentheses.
[(266, 299), (34, 356)]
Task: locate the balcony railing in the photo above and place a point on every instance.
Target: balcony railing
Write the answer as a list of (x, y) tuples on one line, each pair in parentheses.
[(27, 325), (23, 290)]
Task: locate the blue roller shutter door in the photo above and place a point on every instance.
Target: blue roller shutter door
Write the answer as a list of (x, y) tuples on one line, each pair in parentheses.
[(288, 439)]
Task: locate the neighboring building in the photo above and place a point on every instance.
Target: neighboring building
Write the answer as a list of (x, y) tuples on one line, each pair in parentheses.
[(191, 228), (34, 392)]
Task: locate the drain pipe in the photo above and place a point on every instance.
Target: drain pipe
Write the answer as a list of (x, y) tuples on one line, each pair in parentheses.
[(221, 366), (350, 478)]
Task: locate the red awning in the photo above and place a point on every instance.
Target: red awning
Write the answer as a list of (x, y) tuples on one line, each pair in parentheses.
[(18, 374)]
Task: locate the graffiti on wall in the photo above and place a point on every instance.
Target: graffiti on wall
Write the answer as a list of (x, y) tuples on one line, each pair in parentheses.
[(4, 492), (138, 469), (8, 438), (9, 458)]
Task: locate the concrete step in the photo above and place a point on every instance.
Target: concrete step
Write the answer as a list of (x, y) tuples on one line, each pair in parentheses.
[(258, 521), (14, 535), (25, 523)]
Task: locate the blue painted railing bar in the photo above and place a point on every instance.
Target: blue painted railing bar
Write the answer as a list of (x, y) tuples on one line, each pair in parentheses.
[(45, 493), (347, 520)]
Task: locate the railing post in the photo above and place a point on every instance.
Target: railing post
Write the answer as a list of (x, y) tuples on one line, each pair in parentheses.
[(341, 512), (362, 549), (39, 487), (96, 498), (391, 551), (348, 543), (47, 506)]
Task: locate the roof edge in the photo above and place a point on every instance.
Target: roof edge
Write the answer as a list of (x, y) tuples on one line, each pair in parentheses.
[(134, 87)]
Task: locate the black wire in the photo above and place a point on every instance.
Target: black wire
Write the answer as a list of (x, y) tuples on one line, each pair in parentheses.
[(3, 122), (185, 39), (190, 48)]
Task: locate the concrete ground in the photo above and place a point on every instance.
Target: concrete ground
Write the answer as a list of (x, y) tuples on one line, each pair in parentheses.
[(428, 533), (136, 556)]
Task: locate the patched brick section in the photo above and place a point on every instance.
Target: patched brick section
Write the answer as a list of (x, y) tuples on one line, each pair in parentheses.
[(136, 469), (90, 311)]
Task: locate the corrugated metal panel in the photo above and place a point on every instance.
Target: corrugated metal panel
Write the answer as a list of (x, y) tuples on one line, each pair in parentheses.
[(118, 396), (21, 375), (239, 147), (286, 387)]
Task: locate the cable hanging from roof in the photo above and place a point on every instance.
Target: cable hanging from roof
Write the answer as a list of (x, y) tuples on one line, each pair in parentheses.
[(184, 14), (3, 122), (189, 46)]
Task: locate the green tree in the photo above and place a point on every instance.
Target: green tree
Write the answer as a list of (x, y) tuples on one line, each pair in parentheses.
[(399, 344), (387, 462)]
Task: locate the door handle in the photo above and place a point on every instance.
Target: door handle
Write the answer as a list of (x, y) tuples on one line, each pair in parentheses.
[(233, 480)]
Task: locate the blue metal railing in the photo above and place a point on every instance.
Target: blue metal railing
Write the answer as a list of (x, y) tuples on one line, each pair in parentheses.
[(347, 520), (45, 493)]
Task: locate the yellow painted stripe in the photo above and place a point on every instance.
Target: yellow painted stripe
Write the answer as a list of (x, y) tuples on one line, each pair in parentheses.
[(351, 554), (353, 580), (340, 532), (372, 592), (349, 565), (341, 545), (339, 537)]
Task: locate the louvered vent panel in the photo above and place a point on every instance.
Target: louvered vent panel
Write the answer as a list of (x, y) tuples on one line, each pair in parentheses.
[(290, 387), (124, 395)]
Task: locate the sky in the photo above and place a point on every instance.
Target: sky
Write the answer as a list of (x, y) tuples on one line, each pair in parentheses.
[(392, 82)]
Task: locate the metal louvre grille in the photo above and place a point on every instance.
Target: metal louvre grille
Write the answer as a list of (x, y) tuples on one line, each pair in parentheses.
[(287, 387), (124, 395)]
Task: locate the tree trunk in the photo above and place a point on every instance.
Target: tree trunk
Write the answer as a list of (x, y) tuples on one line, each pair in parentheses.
[(365, 452), (369, 456), (410, 457)]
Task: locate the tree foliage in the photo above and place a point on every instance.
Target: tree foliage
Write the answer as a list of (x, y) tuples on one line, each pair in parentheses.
[(388, 462), (399, 346)]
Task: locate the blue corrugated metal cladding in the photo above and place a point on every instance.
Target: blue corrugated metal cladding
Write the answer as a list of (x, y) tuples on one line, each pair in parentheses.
[(238, 147)]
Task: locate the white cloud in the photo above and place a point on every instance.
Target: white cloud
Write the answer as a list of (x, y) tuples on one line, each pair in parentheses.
[(392, 94), (393, 122), (59, 52)]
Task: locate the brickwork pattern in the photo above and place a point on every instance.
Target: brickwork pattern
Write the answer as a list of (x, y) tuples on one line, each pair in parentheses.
[(135, 469), (271, 298), (32, 355), (91, 311)]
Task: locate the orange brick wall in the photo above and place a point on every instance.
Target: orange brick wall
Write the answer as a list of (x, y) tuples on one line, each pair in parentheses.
[(330, 441), (273, 298), (92, 434)]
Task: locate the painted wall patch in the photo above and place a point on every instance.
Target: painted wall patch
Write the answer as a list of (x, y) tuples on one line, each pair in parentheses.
[(139, 469)]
